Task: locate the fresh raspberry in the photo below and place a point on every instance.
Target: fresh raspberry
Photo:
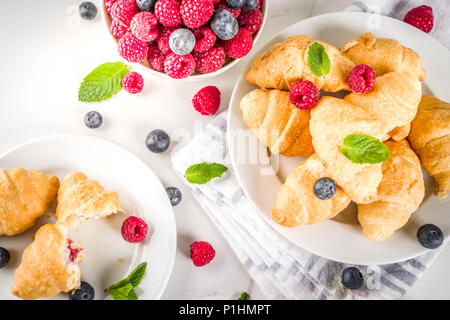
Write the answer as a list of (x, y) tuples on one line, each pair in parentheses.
[(196, 13), (259, 4), (240, 45), (304, 95), (202, 253), (216, 1), (209, 61), (131, 48), (133, 82), (118, 29), (223, 4), (134, 229), (179, 67), (204, 39), (145, 26), (155, 57), (124, 11), (421, 17), (168, 12), (251, 20), (361, 78), (109, 4), (163, 40), (207, 100)]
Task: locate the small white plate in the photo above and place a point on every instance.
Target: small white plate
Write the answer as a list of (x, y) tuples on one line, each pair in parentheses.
[(107, 257), (341, 239)]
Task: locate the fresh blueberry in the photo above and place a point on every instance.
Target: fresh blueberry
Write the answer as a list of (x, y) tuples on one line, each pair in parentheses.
[(224, 25), (4, 257), (157, 141), (352, 278), (84, 292), (146, 5), (87, 10), (430, 236), (174, 195), (324, 188), (235, 4), (250, 5), (93, 119), (182, 41)]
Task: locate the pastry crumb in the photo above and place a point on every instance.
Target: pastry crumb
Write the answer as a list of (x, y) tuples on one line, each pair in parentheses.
[(120, 260)]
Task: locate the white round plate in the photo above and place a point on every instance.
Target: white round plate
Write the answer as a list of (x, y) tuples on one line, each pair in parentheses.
[(341, 239), (107, 257)]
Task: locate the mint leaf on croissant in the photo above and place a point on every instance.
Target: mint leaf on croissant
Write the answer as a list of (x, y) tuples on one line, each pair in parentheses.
[(361, 148), (318, 60)]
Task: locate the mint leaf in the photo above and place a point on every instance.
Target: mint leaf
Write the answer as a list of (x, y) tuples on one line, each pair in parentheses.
[(361, 148), (120, 292), (137, 274), (103, 82), (132, 295), (244, 296), (124, 289), (318, 60), (201, 173)]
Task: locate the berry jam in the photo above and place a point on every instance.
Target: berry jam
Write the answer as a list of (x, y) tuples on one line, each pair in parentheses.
[(73, 251)]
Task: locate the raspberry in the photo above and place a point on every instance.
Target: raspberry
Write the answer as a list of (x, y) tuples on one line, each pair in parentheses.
[(163, 40), (259, 4), (222, 4), (124, 11), (204, 39), (207, 100), (168, 12), (133, 82), (361, 78), (240, 45), (145, 26), (251, 20), (118, 29), (304, 95), (131, 48), (179, 67), (196, 13), (134, 229), (109, 4), (202, 253), (209, 61), (155, 58), (421, 17)]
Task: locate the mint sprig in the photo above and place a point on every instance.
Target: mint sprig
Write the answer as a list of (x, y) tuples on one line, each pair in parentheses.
[(318, 60), (103, 82), (124, 289), (202, 173), (244, 296), (361, 148)]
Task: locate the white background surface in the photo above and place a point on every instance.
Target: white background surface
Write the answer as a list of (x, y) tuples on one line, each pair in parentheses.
[(46, 51)]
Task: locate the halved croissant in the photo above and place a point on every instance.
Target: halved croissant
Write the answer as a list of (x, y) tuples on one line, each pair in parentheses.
[(24, 196), (286, 63), (430, 139)]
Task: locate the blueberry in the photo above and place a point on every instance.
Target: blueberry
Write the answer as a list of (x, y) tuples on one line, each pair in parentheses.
[(157, 141), (324, 188), (87, 10), (430, 236), (250, 5), (352, 278), (182, 41), (84, 292), (93, 119), (224, 25), (235, 4), (174, 195), (4, 257), (146, 5)]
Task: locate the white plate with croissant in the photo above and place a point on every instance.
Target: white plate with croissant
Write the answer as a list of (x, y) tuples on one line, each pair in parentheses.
[(63, 193), (369, 210)]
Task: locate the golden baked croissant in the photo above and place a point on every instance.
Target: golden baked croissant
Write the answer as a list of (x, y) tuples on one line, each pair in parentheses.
[(296, 203), (277, 123), (286, 63), (50, 264), (24, 196), (393, 100), (384, 55), (400, 193), (430, 139), (81, 198)]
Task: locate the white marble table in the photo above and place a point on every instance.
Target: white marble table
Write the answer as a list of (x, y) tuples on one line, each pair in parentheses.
[(47, 49)]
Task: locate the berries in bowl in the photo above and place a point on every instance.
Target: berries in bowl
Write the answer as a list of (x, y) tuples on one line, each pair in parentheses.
[(184, 39)]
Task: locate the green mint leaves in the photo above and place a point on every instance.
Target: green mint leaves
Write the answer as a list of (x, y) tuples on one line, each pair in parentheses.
[(103, 82), (124, 289), (318, 60), (244, 296), (201, 173), (361, 148)]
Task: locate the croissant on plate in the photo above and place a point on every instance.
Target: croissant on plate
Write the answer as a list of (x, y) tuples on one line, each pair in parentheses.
[(24, 196), (430, 139)]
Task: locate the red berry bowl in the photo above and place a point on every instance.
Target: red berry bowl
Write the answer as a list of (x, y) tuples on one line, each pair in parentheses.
[(119, 29)]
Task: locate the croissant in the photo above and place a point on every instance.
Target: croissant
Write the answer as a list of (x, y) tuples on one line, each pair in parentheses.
[(400, 193), (384, 55), (277, 123), (286, 63), (24, 196), (50, 264), (296, 203), (430, 139)]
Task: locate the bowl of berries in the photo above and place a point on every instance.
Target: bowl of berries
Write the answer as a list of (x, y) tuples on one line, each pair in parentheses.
[(184, 39)]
